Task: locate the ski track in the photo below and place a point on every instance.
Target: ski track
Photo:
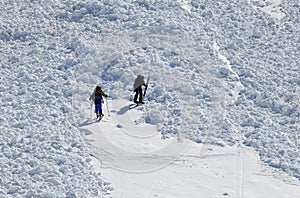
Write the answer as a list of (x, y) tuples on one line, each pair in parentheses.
[(235, 92), (196, 160), (224, 77), (225, 73)]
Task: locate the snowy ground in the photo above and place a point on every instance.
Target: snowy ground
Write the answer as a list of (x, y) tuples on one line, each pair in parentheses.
[(224, 76), (138, 163)]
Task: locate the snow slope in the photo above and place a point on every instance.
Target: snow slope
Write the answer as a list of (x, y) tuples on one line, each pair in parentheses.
[(222, 73), (138, 163)]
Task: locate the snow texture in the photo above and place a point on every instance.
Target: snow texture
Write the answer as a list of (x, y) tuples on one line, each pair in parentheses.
[(131, 155), (222, 73)]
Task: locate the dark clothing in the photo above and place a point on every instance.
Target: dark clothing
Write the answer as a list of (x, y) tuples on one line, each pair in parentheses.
[(137, 87), (98, 109), (138, 93), (98, 100), (97, 96)]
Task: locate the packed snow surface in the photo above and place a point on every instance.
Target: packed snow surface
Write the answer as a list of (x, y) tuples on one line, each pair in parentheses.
[(224, 75), (132, 156)]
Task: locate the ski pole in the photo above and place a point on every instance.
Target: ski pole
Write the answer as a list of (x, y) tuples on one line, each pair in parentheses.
[(91, 111), (146, 86), (107, 107)]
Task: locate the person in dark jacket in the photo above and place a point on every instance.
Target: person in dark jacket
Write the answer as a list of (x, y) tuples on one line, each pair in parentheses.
[(137, 87), (97, 97)]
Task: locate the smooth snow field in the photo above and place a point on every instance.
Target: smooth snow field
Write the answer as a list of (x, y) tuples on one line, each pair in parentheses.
[(138, 163), (221, 114)]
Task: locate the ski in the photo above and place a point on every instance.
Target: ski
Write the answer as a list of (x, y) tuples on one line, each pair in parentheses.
[(131, 106), (99, 118)]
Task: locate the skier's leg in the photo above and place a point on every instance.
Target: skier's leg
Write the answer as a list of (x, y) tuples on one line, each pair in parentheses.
[(135, 96), (100, 110), (96, 110), (97, 106), (140, 95)]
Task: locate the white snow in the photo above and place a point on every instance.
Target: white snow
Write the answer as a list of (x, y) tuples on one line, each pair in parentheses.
[(271, 7), (140, 164), (221, 117)]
